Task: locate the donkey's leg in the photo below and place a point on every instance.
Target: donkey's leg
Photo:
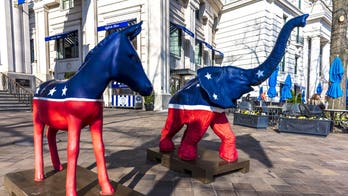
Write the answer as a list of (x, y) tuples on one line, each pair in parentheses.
[(98, 145), (222, 128), (173, 124), (39, 165), (74, 131), (38, 133), (196, 127), (52, 144)]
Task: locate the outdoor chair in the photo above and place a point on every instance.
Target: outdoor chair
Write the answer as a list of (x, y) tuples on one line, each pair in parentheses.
[(311, 111)]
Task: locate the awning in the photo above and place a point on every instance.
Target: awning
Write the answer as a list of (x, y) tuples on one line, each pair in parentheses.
[(219, 53), (113, 26), (59, 36), (184, 29), (211, 47)]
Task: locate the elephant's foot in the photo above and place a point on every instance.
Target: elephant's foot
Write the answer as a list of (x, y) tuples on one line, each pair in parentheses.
[(70, 193), (228, 152), (166, 145), (187, 152), (39, 176)]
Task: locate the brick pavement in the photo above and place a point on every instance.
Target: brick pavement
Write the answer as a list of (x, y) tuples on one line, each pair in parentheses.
[(281, 164)]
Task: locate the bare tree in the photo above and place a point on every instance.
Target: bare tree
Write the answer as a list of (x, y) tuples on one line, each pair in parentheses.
[(339, 45)]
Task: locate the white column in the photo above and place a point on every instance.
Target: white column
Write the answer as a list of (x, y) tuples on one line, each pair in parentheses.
[(18, 38), (158, 46), (6, 48), (305, 65), (326, 66), (41, 26), (89, 26), (314, 64), (26, 40)]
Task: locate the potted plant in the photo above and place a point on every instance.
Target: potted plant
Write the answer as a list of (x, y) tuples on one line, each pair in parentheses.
[(149, 102), (249, 117)]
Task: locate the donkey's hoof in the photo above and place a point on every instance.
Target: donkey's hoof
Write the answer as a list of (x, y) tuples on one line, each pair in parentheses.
[(58, 168), (166, 145)]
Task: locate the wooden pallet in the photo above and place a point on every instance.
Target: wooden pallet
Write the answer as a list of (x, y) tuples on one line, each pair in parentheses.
[(22, 183), (207, 165)]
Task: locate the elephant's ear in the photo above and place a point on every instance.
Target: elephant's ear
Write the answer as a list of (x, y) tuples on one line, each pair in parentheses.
[(224, 85)]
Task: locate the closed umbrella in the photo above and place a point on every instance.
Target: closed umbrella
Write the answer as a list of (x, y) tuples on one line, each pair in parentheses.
[(303, 96), (286, 92), (272, 82), (336, 74), (319, 89), (260, 93)]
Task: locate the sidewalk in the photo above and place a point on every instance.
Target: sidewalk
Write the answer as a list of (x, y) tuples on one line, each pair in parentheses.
[(280, 164)]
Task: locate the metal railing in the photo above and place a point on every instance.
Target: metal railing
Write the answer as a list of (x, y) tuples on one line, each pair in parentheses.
[(22, 94)]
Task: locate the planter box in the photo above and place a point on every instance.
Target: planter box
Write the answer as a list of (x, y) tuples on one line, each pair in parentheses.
[(249, 120), (305, 126)]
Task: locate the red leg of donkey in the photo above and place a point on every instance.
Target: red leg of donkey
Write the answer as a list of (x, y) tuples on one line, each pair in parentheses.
[(173, 124), (222, 128), (98, 145), (52, 144), (74, 130), (38, 133)]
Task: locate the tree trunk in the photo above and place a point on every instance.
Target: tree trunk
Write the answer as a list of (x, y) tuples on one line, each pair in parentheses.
[(339, 46)]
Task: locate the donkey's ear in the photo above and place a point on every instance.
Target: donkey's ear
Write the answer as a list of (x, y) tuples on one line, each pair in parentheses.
[(133, 30)]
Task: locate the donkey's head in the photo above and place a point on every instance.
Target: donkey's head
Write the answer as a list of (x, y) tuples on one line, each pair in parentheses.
[(126, 64)]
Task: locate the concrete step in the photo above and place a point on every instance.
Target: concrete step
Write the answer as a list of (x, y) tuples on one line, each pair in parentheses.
[(9, 102)]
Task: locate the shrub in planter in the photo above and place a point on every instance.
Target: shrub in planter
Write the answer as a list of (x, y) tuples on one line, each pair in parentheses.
[(149, 102), (313, 126)]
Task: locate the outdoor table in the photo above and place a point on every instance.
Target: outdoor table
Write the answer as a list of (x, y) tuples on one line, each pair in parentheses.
[(338, 116), (272, 111)]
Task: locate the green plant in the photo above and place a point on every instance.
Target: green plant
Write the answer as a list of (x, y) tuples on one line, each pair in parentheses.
[(149, 99)]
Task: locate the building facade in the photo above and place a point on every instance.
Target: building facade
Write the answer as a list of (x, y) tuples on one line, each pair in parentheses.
[(49, 39), (177, 37), (248, 29)]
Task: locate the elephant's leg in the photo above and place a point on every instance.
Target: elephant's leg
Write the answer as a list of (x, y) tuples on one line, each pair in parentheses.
[(52, 144), (196, 127), (222, 128), (173, 124), (98, 146), (74, 131)]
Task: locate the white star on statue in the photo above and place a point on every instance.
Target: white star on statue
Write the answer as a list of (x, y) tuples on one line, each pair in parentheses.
[(64, 91), (208, 76), (52, 91), (215, 96), (198, 85), (37, 90), (259, 73)]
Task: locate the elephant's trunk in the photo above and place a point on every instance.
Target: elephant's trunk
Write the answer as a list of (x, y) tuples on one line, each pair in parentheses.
[(262, 72)]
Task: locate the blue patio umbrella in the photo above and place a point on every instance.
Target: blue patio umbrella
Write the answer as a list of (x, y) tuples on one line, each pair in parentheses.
[(336, 75), (286, 92), (272, 82), (319, 89), (260, 93), (303, 96)]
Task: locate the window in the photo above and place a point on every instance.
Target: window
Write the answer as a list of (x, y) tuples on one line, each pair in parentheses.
[(282, 64), (67, 4), (32, 51), (296, 65), (175, 41), (198, 53), (68, 47)]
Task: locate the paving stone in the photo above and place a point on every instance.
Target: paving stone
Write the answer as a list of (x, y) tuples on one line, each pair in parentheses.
[(280, 164)]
